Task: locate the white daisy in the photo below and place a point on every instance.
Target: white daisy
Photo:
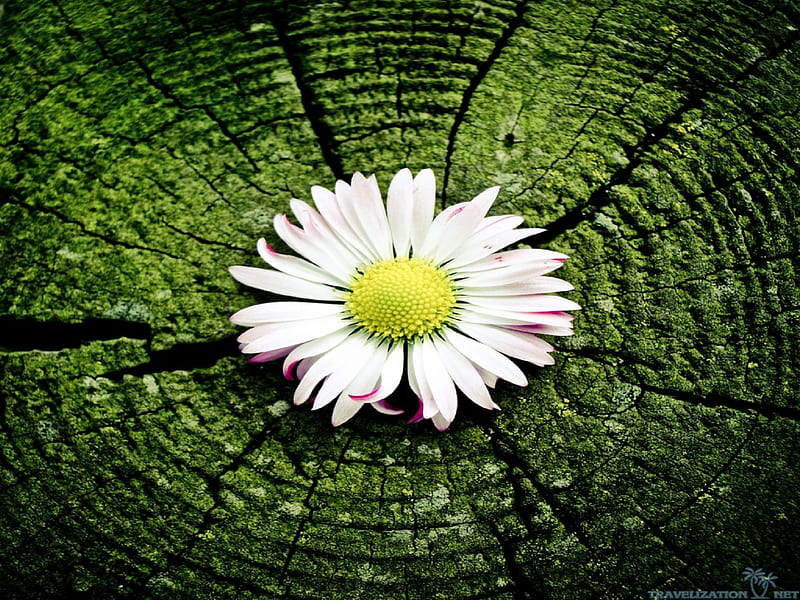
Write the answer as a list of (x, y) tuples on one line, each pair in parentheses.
[(390, 290)]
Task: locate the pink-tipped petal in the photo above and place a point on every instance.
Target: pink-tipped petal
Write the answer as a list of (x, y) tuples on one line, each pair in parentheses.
[(440, 421), (419, 415), (268, 356), (383, 407), (443, 391)]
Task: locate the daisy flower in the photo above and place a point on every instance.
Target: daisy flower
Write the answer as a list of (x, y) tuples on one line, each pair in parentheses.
[(387, 291)]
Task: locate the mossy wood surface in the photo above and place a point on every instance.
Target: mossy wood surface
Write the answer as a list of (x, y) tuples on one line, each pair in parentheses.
[(145, 146)]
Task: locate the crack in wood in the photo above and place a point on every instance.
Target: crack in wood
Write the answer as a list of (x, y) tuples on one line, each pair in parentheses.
[(483, 70), (25, 334)]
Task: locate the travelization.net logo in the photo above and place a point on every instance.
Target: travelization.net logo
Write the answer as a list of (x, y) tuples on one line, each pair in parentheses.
[(761, 587)]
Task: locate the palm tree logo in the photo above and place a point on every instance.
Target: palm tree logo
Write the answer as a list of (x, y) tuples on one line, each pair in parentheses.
[(759, 582)]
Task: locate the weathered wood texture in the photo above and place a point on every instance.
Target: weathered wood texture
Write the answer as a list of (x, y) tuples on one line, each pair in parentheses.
[(145, 146)]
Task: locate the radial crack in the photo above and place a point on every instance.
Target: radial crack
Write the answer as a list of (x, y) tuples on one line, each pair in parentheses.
[(23, 334), (308, 97), (180, 357), (483, 69)]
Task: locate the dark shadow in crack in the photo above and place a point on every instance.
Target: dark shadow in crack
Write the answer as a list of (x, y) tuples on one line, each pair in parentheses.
[(20, 335), (182, 357)]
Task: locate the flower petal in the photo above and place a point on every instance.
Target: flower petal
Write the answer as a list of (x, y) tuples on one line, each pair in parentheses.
[(481, 246), (372, 214), (400, 210), (298, 267), (507, 275), (312, 349), (424, 203), (281, 283), (272, 355), (453, 226), (345, 409), (464, 375), (348, 202), (391, 373), (440, 422), (416, 373), (345, 372), (324, 366), (511, 318), (539, 328), (363, 386), (319, 246), (486, 357), (279, 335), (439, 381), (527, 303), (276, 312), (382, 406), (537, 285), (328, 206), (513, 343), (527, 256)]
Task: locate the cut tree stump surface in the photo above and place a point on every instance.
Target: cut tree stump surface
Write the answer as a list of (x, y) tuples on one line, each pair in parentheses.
[(145, 146)]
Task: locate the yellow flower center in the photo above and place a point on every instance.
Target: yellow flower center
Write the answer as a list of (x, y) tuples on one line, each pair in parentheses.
[(401, 298)]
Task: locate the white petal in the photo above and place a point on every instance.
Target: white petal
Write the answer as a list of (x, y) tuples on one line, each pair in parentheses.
[(488, 316), (324, 366), (385, 408), (424, 205), (490, 379), (347, 202), (509, 275), (486, 357), (372, 214), (344, 409), (292, 265), (345, 372), (364, 386), (465, 375), (400, 210), (440, 421), (543, 329), (475, 249), (530, 303), (391, 373), (319, 246), (450, 230), (416, 371), (527, 256), (513, 343), (328, 206), (537, 285), (281, 283), (274, 312), (271, 355), (279, 335), (439, 381), (312, 349)]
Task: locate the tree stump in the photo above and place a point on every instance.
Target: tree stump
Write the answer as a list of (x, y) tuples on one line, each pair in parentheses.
[(145, 146)]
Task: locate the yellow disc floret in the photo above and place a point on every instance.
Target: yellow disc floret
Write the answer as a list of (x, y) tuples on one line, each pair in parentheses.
[(401, 298)]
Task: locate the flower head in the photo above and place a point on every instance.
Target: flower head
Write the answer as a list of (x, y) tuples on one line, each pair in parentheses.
[(387, 291)]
